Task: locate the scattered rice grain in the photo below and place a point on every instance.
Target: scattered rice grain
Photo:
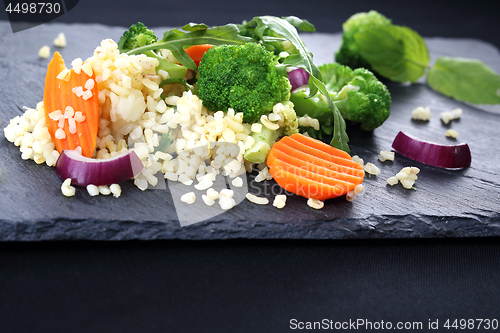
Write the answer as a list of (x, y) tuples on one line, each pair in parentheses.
[(237, 182), (372, 169), (314, 203), (451, 133), (60, 40), (256, 200), (44, 52), (279, 201), (92, 190), (104, 190), (386, 156), (421, 113), (188, 198), (66, 188)]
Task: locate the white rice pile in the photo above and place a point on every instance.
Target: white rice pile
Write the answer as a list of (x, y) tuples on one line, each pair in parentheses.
[(31, 135), (133, 115)]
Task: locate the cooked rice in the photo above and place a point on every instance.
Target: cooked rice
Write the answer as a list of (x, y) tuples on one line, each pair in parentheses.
[(134, 115)]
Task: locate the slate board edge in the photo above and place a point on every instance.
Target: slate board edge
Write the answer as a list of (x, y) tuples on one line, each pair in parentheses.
[(373, 228)]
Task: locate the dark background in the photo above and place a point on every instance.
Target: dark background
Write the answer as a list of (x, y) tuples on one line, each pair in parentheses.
[(462, 19), (250, 285)]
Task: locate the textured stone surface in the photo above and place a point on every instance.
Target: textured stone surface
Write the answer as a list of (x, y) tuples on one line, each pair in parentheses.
[(463, 203)]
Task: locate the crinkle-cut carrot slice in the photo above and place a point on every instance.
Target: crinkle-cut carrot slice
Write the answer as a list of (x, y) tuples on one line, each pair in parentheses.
[(315, 148), (308, 184), (319, 166), (58, 95), (312, 168)]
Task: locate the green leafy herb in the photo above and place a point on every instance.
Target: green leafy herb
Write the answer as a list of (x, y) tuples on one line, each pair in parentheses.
[(273, 41), (395, 52), (175, 40), (195, 27), (400, 54), (304, 60), (467, 80), (301, 24)]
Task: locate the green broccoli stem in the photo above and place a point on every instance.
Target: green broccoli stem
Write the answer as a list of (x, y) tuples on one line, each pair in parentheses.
[(316, 107), (313, 107), (174, 70), (263, 143), (342, 94)]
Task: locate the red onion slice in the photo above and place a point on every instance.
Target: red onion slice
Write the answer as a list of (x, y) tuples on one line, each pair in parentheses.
[(434, 154), (84, 171), (298, 78)]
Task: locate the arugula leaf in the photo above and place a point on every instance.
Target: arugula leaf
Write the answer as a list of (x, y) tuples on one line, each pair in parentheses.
[(340, 138), (395, 52), (195, 27), (304, 60), (467, 80), (175, 39), (301, 24)]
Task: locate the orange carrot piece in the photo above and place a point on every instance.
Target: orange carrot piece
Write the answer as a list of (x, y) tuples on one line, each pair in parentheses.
[(303, 152), (59, 95), (316, 165), (196, 52), (312, 168), (304, 186)]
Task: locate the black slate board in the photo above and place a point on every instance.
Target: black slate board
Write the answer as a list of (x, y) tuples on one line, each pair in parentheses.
[(463, 203)]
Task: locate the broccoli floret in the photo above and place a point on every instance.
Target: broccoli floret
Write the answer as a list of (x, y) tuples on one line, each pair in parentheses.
[(348, 53), (242, 77), (136, 36), (139, 35), (358, 94)]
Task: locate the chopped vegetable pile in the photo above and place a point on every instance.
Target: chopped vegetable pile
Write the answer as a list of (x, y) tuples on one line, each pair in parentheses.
[(202, 101)]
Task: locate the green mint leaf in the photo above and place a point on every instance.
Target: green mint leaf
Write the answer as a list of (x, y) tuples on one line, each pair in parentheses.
[(395, 52), (175, 40), (467, 80)]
